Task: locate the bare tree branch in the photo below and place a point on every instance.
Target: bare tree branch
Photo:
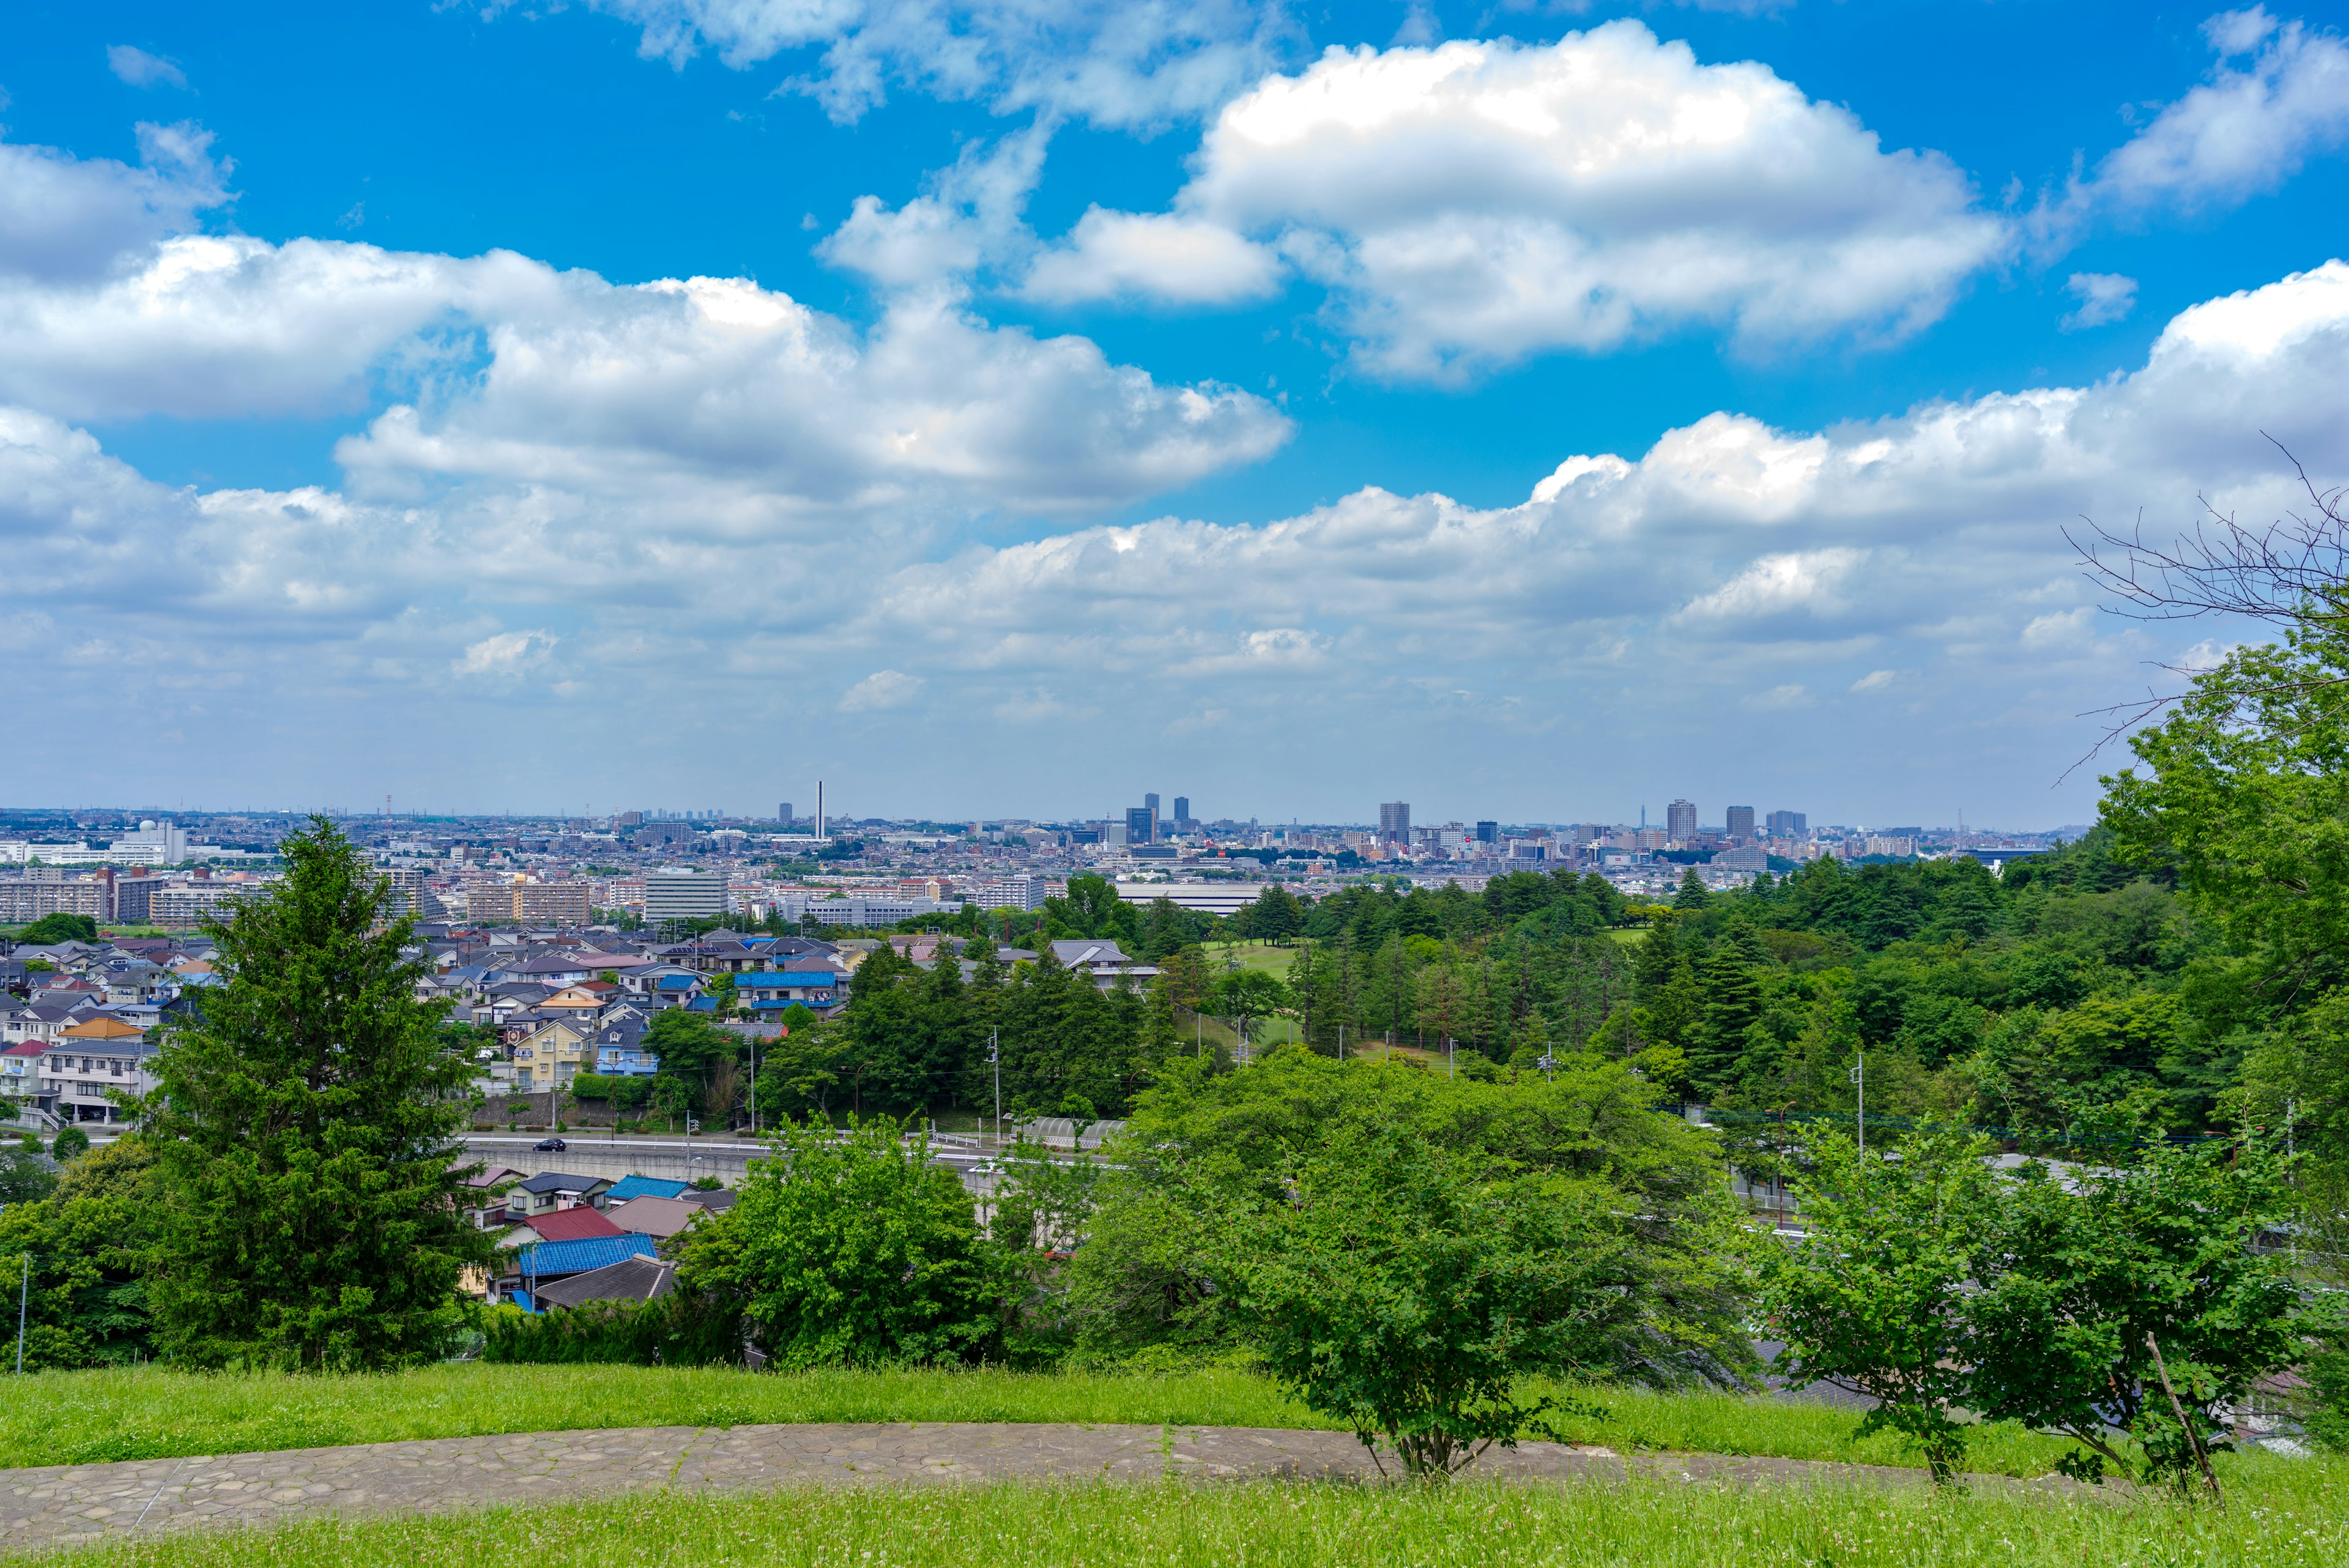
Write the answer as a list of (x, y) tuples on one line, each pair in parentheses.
[(2294, 572)]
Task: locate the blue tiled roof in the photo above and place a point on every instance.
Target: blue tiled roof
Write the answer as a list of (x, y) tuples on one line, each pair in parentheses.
[(629, 1186), (774, 978), (677, 982), (578, 1257)]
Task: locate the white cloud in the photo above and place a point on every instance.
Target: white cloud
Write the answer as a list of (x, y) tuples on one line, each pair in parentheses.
[(1473, 203), (2104, 297), (2245, 130), (882, 688), (507, 369), (507, 653), (1160, 255), (1120, 63), (65, 219), (138, 69), (743, 514)]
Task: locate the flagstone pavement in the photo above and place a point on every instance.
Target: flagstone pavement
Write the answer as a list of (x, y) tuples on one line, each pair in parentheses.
[(62, 1505)]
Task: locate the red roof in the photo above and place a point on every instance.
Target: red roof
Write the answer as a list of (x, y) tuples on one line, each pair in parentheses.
[(571, 1224)]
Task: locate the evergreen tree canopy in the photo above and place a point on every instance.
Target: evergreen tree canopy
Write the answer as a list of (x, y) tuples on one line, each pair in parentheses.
[(306, 1126)]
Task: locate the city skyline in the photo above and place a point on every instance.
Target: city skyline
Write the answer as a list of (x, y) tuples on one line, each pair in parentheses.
[(701, 396)]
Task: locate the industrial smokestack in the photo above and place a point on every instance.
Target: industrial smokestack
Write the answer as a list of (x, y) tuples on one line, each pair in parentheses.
[(819, 811)]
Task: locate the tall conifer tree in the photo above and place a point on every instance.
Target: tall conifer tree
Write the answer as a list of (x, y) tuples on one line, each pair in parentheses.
[(307, 1121)]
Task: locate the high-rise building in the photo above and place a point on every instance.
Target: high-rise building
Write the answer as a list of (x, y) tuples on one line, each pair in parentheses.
[(783, 814), (1786, 824), (1741, 822), (1142, 822), (1488, 832), (675, 894), (1182, 809), (1679, 820), (1151, 801), (1394, 822)]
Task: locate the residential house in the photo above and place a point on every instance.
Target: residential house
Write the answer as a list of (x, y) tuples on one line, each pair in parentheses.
[(571, 1225), (660, 1218), (88, 1061), (549, 1056), (633, 1278), (532, 1265), (20, 1077), (1102, 962), (820, 989), (553, 1190), (630, 1187), (620, 1053)]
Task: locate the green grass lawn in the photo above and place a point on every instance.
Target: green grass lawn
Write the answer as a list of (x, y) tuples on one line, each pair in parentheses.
[(2283, 1516), (78, 1417)]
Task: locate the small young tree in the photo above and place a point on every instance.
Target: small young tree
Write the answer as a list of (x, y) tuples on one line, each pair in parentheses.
[(306, 1121), (1402, 1292), (850, 1248), (1872, 1298), (2104, 1281)]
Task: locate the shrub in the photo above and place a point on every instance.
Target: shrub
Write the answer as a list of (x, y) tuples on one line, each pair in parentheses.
[(69, 1143), (623, 1093), (681, 1329)]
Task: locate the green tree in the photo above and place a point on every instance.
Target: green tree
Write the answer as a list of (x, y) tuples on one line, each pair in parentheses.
[(1691, 898), (57, 928), (86, 1304), (307, 1121), (2086, 1267), (850, 1248), (1275, 917), (1404, 1292), (690, 1047), (1732, 988), (1245, 995), (1872, 1297)]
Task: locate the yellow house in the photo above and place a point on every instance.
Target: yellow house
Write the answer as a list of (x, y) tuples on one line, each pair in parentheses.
[(549, 1056)]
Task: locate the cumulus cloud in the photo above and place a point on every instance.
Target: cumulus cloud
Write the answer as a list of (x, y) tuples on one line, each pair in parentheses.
[(2104, 297), (1121, 63), (2246, 129), (137, 67), (507, 653), (69, 220), (701, 503), (504, 367), (1159, 255), (882, 688), (1475, 202)]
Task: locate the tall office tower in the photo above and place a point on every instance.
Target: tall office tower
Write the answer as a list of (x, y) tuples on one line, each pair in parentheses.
[(1488, 832), (1394, 822), (1141, 824), (783, 814), (1151, 801), (1741, 822), (1786, 824), (1679, 820), (1182, 809)]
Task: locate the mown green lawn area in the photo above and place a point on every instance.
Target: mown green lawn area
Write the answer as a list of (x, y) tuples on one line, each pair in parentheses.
[(80, 1418), (2284, 1515)]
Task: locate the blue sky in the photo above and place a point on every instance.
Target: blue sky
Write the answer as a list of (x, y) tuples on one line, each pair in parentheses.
[(349, 411)]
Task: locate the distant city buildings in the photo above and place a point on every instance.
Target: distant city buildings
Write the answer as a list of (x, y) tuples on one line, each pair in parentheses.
[(1679, 821), (1394, 822)]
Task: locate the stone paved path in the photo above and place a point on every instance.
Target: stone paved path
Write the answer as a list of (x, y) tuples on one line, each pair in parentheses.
[(67, 1504)]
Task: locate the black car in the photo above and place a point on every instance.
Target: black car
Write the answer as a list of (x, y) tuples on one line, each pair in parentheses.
[(549, 1145)]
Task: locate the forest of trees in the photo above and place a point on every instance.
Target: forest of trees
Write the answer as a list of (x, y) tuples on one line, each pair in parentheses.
[(2072, 981)]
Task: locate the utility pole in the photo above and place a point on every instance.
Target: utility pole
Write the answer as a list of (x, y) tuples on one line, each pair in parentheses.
[(995, 1060), (1860, 1077)]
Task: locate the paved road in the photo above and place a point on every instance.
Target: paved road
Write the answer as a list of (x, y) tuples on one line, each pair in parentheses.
[(65, 1505)]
